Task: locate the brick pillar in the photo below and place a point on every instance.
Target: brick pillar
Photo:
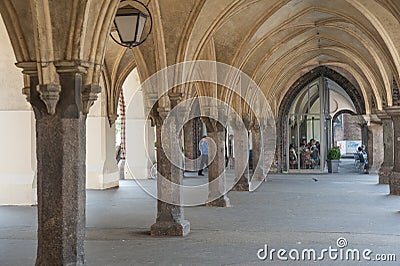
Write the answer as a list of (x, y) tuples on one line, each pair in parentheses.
[(60, 112), (394, 180), (241, 149), (387, 165), (170, 217)]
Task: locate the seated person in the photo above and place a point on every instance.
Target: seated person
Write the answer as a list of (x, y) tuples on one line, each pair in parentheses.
[(306, 157), (292, 157)]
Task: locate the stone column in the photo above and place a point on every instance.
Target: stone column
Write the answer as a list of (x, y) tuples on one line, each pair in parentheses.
[(216, 169), (189, 140), (394, 180), (375, 147), (258, 153), (241, 149), (60, 112), (387, 165), (170, 218)]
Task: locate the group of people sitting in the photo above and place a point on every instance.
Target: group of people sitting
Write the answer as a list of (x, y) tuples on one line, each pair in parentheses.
[(309, 155)]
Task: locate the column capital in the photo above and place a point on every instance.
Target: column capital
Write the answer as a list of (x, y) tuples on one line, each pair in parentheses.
[(393, 111), (175, 98), (372, 118), (157, 117), (56, 95), (212, 125), (383, 115), (89, 96), (255, 127), (28, 68), (248, 122)]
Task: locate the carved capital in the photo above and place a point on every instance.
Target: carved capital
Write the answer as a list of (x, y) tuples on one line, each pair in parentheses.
[(212, 125), (49, 94), (382, 115), (256, 127), (158, 117), (393, 111), (89, 96), (162, 113), (112, 118), (175, 98), (248, 122)]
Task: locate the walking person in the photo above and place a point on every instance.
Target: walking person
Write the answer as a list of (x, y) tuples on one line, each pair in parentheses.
[(204, 155)]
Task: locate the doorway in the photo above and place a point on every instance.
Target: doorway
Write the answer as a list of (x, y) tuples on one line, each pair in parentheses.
[(307, 128)]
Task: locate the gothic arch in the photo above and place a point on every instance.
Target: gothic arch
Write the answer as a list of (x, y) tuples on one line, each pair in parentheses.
[(352, 90)]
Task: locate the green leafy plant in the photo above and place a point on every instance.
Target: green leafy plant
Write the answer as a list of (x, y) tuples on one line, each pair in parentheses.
[(334, 153)]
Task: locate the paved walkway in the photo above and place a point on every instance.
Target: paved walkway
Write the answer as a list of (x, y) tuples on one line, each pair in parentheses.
[(291, 212)]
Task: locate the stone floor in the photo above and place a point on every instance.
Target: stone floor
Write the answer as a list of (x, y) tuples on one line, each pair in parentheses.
[(286, 212)]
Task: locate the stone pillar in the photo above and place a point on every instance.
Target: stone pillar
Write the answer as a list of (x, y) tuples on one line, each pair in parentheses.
[(258, 155), (387, 165), (216, 169), (375, 147), (189, 140), (170, 218), (61, 169), (394, 180), (241, 149)]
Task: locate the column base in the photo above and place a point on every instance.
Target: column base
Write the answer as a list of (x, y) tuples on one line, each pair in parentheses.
[(220, 202), (241, 187), (394, 183), (163, 228), (384, 174)]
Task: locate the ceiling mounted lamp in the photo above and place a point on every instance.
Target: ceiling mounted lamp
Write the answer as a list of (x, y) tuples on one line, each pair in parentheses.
[(130, 22)]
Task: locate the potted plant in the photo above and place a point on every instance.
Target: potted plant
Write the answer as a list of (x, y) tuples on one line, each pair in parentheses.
[(333, 159)]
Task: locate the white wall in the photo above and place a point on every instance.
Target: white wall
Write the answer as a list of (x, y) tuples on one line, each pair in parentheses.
[(17, 138), (101, 166), (139, 133)]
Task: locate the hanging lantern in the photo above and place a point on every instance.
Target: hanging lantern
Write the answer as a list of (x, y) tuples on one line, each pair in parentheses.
[(130, 22)]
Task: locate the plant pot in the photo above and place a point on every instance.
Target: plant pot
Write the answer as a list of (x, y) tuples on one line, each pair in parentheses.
[(333, 166)]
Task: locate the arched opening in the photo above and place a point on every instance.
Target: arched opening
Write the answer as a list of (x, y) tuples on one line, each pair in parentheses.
[(347, 131), (305, 121), (134, 131)]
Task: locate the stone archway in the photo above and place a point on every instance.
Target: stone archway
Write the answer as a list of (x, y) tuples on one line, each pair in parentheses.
[(352, 128), (351, 89)]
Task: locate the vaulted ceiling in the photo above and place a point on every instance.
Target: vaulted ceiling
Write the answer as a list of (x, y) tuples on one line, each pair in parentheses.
[(278, 41)]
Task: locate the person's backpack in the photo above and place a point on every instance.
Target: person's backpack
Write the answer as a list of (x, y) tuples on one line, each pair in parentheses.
[(361, 157)]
